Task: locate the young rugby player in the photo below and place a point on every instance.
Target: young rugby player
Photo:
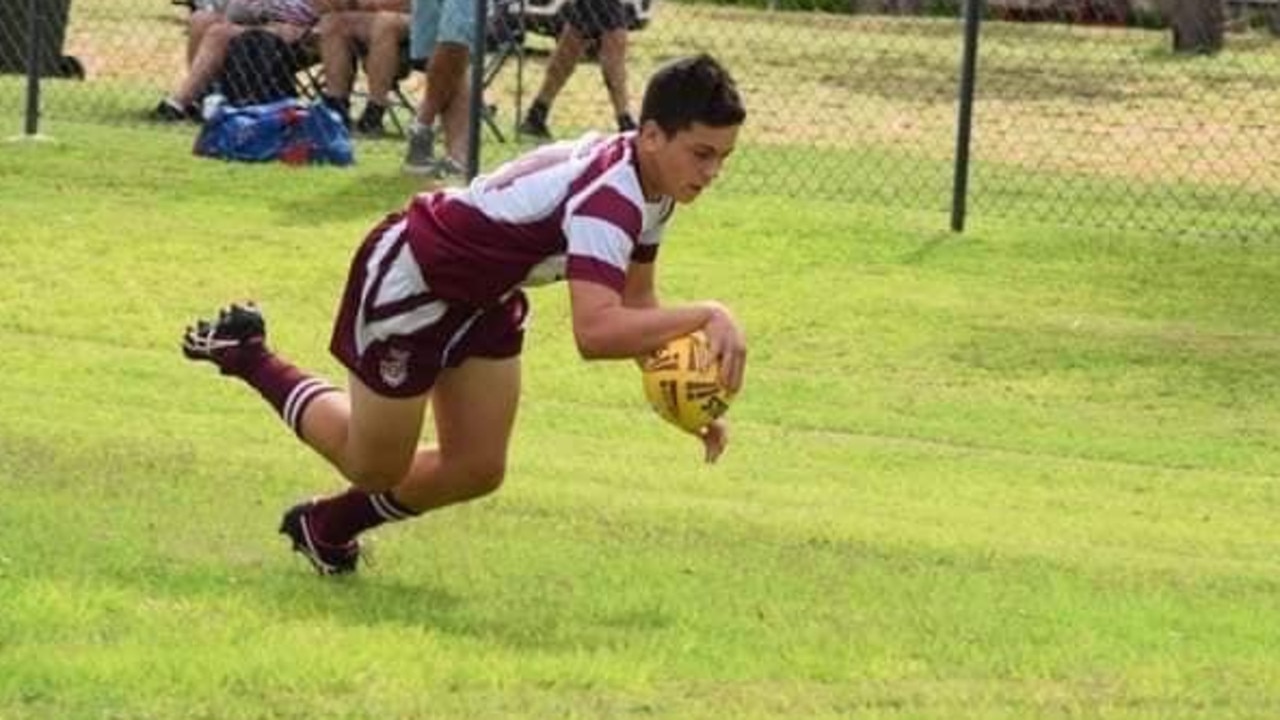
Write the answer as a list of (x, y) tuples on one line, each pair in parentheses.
[(434, 310)]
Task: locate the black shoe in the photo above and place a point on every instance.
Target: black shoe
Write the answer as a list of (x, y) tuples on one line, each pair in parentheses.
[(626, 122), (535, 128), (370, 120), (326, 559), (341, 106), (239, 333), (167, 112)]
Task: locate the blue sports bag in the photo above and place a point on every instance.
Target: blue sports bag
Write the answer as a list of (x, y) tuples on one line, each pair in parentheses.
[(288, 130)]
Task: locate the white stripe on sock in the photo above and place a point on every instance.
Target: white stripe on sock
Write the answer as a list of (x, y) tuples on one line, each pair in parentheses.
[(385, 508), (300, 397)]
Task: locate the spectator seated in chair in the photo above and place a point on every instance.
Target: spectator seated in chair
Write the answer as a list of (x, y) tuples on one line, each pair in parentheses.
[(603, 22), (379, 31), (211, 33)]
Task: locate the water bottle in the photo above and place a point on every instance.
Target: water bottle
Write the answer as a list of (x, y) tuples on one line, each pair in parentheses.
[(211, 103)]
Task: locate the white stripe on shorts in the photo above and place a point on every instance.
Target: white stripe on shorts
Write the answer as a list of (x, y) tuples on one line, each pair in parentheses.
[(403, 279)]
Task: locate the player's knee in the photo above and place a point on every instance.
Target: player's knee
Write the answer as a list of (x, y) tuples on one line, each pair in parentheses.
[(484, 475)]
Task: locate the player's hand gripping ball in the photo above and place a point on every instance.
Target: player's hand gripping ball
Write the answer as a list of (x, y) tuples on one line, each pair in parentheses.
[(681, 381)]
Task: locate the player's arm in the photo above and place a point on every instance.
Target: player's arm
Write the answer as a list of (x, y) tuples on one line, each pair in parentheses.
[(639, 291), (604, 327)]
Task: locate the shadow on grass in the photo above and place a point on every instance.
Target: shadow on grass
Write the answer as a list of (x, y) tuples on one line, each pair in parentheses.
[(372, 600), (931, 244), (366, 195), (144, 551)]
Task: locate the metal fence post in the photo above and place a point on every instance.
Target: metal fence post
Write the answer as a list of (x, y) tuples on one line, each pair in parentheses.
[(478, 43), (964, 120), (33, 70)]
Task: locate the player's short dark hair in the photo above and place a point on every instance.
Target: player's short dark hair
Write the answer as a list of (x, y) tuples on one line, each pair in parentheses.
[(690, 90)]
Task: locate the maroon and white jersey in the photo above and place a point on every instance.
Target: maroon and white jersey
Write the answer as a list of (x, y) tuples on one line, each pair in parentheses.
[(570, 210)]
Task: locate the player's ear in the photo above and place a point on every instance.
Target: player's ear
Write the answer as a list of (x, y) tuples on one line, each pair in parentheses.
[(651, 135)]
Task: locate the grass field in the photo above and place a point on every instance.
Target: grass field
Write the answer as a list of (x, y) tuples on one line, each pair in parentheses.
[(1026, 472)]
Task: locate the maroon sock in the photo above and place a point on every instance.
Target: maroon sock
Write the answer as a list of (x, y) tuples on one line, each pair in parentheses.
[(337, 520), (288, 389)]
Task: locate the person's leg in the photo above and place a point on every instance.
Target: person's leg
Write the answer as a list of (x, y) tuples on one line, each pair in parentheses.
[(446, 95), (374, 454), (456, 115), (474, 407), (564, 59), (448, 91), (424, 30), (386, 36), (369, 438), (473, 398), (369, 433), (205, 66), (339, 32), (207, 63), (613, 65), (197, 24)]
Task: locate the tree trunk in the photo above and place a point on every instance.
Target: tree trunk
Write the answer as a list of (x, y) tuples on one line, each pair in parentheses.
[(1198, 25)]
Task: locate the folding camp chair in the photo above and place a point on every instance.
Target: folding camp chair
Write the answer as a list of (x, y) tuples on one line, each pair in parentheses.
[(504, 41)]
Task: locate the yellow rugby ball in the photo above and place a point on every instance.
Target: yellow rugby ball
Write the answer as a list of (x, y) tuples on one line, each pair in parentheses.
[(681, 382)]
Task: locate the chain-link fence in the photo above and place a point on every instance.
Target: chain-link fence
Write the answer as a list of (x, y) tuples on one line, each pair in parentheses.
[(1084, 112)]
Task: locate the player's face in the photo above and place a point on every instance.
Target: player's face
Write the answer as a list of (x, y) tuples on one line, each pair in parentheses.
[(686, 163)]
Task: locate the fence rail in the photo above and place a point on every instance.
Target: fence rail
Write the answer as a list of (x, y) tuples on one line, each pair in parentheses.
[(1074, 122)]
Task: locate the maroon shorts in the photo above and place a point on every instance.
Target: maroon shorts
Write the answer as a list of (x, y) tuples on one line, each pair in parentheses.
[(396, 335)]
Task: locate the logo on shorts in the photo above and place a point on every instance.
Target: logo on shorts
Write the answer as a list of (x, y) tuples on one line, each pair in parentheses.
[(394, 367)]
